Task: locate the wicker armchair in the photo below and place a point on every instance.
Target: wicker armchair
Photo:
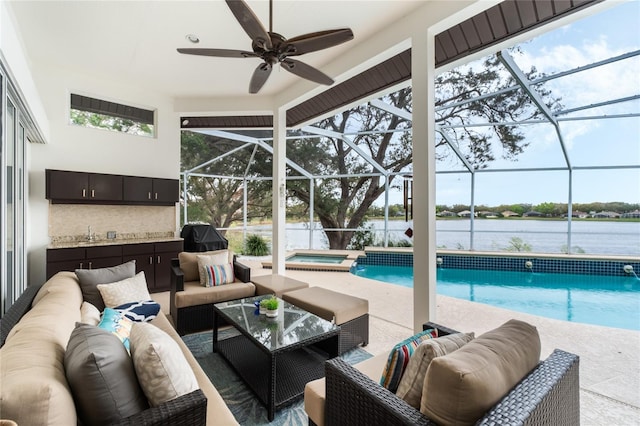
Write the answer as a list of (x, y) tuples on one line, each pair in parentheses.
[(191, 319), (548, 395)]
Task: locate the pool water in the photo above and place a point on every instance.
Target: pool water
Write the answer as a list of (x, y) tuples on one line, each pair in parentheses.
[(591, 299), (315, 258)]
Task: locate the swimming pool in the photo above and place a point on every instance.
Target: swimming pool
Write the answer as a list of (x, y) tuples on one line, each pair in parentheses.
[(591, 299)]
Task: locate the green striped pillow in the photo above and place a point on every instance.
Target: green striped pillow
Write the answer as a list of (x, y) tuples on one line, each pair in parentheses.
[(399, 358)]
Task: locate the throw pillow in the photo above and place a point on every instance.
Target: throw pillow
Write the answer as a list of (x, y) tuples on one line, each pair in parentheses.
[(399, 358), (412, 381), (189, 262), (204, 261), (89, 314), (459, 388), (142, 311), (129, 290), (115, 323), (101, 376), (216, 275), (90, 278), (162, 369)]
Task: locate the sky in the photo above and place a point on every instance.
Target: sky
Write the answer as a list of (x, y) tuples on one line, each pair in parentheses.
[(616, 142)]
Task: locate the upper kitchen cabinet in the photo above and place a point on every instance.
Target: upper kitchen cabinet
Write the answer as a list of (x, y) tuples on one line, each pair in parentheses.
[(83, 187), (151, 190), (95, 188)]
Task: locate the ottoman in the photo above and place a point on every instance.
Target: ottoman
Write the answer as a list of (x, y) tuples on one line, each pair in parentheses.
[(276, 284), (349, 312)]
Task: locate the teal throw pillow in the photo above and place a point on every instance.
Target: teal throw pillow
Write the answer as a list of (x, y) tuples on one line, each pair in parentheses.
[(117, 324)]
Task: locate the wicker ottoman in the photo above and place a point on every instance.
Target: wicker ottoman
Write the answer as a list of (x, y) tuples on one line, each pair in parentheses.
[(349, 312), (276, 284)]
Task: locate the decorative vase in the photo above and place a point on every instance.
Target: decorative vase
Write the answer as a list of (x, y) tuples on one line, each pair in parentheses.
[(272, 313)]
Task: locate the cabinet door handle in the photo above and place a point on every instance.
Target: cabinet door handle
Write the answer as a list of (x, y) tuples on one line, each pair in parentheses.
[(90, 265), (150, 260), (93, 193), (81, 265), (84, 192), (159, 259), (156, 195), (149, 194)]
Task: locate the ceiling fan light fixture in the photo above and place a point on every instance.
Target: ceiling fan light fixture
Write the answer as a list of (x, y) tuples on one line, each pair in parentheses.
[(192, 38)]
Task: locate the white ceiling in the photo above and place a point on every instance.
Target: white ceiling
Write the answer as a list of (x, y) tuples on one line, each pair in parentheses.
[(137, 40)]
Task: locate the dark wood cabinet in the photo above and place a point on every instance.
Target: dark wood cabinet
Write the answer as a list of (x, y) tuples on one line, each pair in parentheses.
[(97, 188), (83, 187), (70, 259), (151, 190), (152, 258)]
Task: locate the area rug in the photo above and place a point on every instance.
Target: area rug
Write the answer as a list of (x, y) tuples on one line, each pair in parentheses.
[(239, 398)]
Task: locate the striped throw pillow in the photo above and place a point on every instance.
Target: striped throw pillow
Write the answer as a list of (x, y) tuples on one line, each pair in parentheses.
[(399, 358), (216, 275)]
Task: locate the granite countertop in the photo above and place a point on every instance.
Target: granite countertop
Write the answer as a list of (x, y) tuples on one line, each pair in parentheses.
[(110, 242)]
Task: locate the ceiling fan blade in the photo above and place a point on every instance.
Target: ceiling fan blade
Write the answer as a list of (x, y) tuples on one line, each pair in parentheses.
[(250, 23), (222, 53), (259, 78), (306, 71), (316, 41)]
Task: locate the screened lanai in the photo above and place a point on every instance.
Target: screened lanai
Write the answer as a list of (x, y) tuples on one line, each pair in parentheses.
[(578, 136)]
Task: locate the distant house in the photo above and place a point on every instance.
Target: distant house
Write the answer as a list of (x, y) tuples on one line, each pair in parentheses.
[(579, 214), (634, 215), (606, 215), (446, 213), (488, 214), (533, 213), (509, 213), (464, 213)]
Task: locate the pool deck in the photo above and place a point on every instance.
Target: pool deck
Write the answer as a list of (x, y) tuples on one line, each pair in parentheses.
[(609, 357)]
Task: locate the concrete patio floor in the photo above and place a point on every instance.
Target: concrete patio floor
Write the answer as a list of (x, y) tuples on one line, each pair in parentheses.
[(609, 357)]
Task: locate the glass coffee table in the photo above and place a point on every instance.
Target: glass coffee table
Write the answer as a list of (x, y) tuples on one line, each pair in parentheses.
[(276, 357)]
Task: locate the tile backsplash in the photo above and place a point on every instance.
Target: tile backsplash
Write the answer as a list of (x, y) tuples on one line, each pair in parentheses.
[(70, 222)]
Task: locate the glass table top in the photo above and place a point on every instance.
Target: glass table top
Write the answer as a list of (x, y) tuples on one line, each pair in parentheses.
[(293, 325)]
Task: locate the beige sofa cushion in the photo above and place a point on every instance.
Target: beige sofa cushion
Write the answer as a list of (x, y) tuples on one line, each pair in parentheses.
[(33, 386), (328, 304), (315, 391), (217, 411), (189, 262), (194, 294), (412, 381), (461, 387)]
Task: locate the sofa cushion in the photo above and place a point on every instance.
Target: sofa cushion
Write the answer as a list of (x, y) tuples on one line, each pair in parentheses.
[(89, 314), (117, 324), (132, 289), (217, 410), (215, 275), (460, 387), (194, 294), (399, 358), (141, 311), (90, 278), (189, 262), (163, 371), (412, 381), (33, 387), (101, 376)]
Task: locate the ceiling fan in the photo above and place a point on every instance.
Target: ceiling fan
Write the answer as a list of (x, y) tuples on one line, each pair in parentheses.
[(274, 49)]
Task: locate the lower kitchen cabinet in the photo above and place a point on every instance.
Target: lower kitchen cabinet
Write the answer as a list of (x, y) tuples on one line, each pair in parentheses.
[(152, 258)]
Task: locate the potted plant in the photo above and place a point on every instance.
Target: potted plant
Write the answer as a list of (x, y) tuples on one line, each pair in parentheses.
[(272, 307), (263, 305)]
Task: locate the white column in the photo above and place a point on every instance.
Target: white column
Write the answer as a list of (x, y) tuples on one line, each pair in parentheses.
[(424, 219), (279, 189)]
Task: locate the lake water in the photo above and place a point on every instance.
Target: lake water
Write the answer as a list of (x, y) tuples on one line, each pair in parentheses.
[(602, 238)]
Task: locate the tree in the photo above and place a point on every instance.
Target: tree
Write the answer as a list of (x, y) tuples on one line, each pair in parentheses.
[(216, 200), (342, 202), (102, 121)]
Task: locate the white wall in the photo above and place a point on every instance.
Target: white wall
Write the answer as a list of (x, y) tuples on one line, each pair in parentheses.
[(77, 148)]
